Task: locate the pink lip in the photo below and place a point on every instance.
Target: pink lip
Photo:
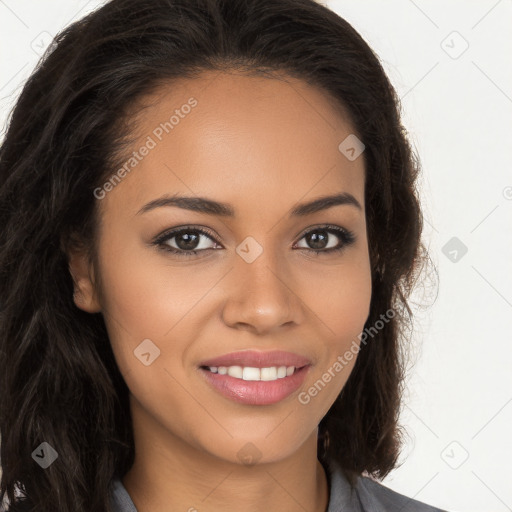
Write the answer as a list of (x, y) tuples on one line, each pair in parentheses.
[(256, 359), (255, 392)]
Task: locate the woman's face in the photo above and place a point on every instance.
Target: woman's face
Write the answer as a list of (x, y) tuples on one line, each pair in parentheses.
[(263, 147)]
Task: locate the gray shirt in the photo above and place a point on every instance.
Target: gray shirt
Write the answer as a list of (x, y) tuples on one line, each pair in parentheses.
[(366, 496)]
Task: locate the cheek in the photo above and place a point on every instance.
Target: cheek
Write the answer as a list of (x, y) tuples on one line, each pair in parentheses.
[(348, 306), (342, 310), (342, 303), (147, 309), (144, 293), (148, 297)]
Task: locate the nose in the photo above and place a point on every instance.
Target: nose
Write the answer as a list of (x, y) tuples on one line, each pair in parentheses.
[(261, 297)]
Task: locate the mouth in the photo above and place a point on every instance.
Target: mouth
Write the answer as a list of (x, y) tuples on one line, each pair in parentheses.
[(255, 386)]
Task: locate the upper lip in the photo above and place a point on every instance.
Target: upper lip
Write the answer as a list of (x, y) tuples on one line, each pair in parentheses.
[(257, 359)]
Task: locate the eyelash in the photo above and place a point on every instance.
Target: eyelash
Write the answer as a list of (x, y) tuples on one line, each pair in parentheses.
[(347, 237)]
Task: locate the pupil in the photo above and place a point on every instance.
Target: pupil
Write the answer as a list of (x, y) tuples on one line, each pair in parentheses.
[(317, 242), (190, 241)]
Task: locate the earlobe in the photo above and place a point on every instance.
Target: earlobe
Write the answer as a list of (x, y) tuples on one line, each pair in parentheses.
[(82, 273)]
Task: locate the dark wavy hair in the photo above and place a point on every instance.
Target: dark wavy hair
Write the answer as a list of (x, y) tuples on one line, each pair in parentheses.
[(59, 381)]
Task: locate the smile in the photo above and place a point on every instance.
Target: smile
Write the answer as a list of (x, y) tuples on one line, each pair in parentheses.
[(255, 386)]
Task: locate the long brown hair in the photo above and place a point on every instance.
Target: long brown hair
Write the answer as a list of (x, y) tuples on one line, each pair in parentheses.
[(59, 382)]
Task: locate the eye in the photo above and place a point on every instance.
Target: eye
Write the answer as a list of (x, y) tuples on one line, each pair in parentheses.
[(187, 240), (323, 239)]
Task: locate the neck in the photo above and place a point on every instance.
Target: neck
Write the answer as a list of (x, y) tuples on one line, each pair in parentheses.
[(170, 474)]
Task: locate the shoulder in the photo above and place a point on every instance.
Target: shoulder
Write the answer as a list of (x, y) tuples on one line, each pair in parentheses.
[(120, 500), (376, 496), (368, 495)]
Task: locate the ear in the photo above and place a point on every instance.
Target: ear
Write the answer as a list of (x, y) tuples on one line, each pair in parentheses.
[(82, 272)]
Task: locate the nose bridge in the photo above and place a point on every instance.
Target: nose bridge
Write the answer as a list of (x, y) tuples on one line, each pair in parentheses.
[(260, 295)]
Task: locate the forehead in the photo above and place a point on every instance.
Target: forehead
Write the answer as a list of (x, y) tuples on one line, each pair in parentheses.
[(242, 139)]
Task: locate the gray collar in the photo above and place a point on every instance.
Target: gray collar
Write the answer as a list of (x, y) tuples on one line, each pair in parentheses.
[(342, 497), (367, 495)]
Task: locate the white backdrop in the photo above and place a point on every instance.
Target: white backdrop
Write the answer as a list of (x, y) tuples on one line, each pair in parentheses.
[(450, 63)]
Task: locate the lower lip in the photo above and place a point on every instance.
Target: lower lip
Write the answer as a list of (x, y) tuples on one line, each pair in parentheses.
[(256, 392)]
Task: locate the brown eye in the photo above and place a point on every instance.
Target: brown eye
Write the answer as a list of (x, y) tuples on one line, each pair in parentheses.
[(323, 239), (186, 241)]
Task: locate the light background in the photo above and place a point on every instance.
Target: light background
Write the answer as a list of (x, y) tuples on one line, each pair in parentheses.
[(457, 107)]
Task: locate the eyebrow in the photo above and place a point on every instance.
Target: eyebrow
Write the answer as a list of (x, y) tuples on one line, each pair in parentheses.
[(211, 207)]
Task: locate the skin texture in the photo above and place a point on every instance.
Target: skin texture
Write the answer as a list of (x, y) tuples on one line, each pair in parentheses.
[(263, 145)]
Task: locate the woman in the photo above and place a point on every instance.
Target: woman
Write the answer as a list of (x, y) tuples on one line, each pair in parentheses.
[(210, 229)]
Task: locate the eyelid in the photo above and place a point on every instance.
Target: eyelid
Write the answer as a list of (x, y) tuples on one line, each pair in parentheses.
[(172, 232), (325, 227)]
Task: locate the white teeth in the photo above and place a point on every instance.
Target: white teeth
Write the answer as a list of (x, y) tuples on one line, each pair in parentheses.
[(250, 373), (269, 373), (235, 371)]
